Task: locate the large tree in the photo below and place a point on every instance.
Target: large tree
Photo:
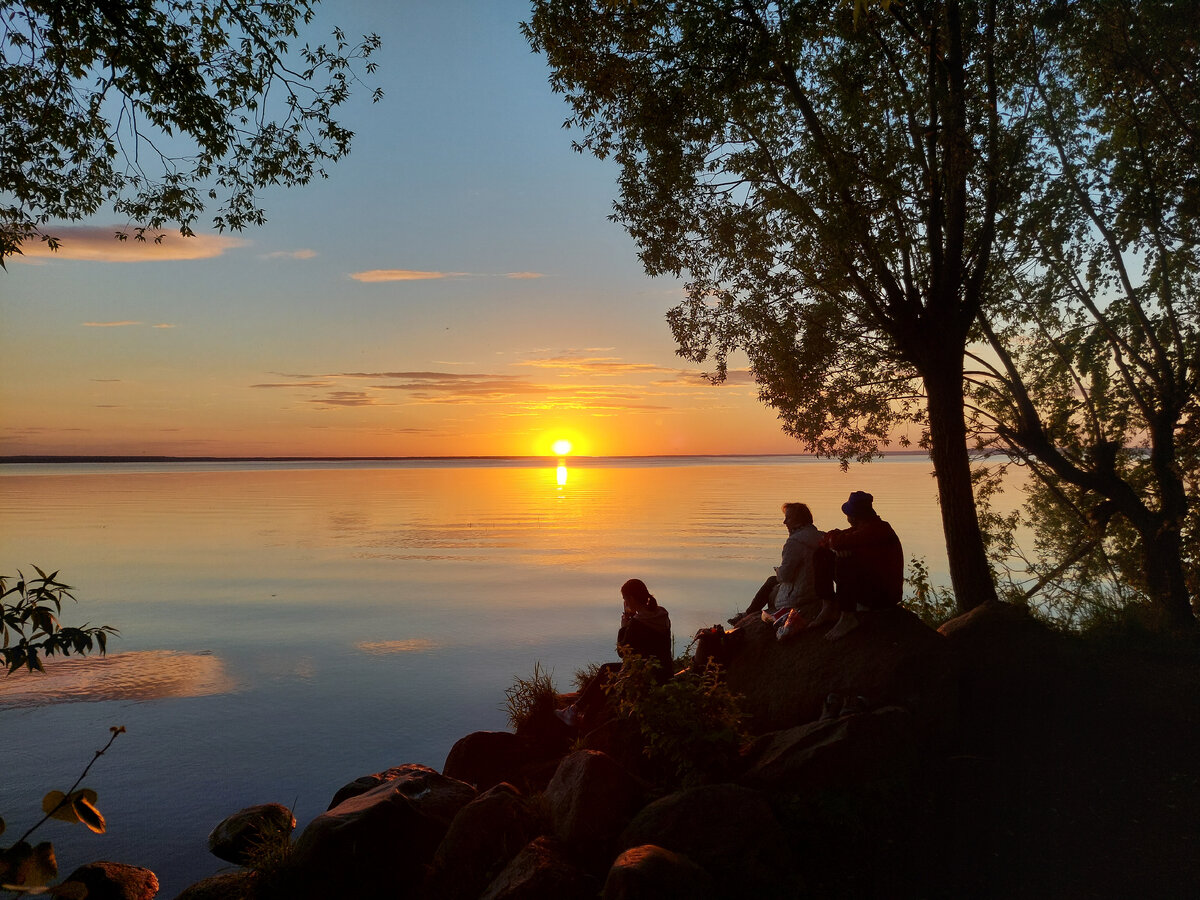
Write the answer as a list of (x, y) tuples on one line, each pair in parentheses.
[(157, 108), (830, 177), (1094, 331)]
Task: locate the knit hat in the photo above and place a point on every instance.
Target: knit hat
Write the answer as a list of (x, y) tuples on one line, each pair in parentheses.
[(858, 504)]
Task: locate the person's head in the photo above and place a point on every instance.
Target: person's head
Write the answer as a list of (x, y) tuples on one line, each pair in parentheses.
[(637, 596), (859, 506), (796, 515)]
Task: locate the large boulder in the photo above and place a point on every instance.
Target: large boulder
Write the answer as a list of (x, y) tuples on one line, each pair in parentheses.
[(114, 881), (250, 832), (484, 837), (591, 800), (240, 885), (486, 758), (847, 750), (377, 843), (650, 872), (729, 830), (542, 870), (892, 658)]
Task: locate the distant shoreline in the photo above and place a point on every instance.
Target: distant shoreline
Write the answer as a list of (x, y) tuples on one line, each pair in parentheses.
[(68, 459)]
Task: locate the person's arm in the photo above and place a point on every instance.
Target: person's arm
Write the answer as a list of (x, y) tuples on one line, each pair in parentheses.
[(793, 558)]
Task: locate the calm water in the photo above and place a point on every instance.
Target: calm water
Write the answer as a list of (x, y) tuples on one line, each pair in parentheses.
[(288, 628)]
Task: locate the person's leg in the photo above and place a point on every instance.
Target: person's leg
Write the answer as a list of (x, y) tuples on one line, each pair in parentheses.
[(762, 600), (824, 563), (848, 581)]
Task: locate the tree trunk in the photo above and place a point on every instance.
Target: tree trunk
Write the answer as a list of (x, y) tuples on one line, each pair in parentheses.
[(1162, 563), (970, 574)]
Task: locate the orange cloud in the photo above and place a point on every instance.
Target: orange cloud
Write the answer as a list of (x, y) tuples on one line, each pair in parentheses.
[(376, 275), (121, 324), (524, 275), (100, 244), (291, 254)]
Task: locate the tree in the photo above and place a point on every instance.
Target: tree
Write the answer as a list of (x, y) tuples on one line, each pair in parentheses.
[(159, 107), (1095, 325), (831, 178)]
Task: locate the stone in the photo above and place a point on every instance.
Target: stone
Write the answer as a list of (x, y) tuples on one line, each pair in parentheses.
[(727, 829), (482, 839), (226, 886), (892, 658), (239, 837), (379, 842), (541, 871), (486, 758), (115, 881), (650, 872), (591, 800), (870, 746)]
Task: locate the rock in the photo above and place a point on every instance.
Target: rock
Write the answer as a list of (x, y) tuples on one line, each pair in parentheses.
[(484, 837), (378, 842), (238, 838), (115, 881), (727, 829), (650, 872), (892, 658), (486, 758), (591, 799), (227, 886), (541, 871), (853, 749)]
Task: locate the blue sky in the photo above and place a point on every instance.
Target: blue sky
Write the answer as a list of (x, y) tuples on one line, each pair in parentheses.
[(532, 321)]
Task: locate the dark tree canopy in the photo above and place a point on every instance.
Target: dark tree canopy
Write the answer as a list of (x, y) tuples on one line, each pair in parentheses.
[(830, 178), (160, 108)]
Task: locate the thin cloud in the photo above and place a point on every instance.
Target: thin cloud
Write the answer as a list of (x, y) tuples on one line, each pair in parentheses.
[(122, 324), (524, 275), (100, 244), (373, 276), (291, 254), (162, 325), (293, 384), (598, 365)]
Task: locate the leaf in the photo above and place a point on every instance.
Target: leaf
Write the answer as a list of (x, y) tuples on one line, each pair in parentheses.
[(29, 867), (85, 809), (55, 805)]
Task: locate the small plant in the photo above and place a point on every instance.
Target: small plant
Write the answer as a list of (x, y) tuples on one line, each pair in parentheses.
[(28, 869), (585, 676), (29, 611), (932, 605), (529, 697), (692, 723)]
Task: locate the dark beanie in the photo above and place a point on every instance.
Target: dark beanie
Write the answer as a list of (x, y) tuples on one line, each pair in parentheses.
[(858, 504)]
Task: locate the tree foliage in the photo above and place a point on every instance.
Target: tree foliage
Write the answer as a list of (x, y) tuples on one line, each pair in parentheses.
[(29, 610), (159, 108), (1094, 330), (830, 178)]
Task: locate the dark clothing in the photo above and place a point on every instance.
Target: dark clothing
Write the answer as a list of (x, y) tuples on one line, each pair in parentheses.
[(870, 564), (649, 634)]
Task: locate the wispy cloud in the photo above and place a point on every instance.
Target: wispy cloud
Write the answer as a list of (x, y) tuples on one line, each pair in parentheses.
[(124, 323), (376, 275), (291, 254), (594, 365), (100, 244)]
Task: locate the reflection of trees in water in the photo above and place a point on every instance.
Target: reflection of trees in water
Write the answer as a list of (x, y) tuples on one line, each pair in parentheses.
[(139, 675)]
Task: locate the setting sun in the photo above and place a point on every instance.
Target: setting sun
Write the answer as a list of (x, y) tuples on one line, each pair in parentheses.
[(561, 447)]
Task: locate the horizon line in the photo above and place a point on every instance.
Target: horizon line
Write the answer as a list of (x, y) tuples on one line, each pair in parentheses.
[(86, 458)]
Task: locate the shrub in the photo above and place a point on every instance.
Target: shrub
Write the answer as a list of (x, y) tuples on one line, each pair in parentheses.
[(692, 723), (529, 697)]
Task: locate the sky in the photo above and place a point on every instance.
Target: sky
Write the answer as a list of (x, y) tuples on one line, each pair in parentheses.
[(455, 288)]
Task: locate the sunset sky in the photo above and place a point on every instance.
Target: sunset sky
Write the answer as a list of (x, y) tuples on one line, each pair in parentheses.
[(454, 288)]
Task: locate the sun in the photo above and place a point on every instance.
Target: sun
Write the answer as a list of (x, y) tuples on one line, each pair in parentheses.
[(561, 447)]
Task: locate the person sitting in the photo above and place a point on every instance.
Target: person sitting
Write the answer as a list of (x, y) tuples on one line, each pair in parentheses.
[(794, 582), (869, 570), (645, 632)]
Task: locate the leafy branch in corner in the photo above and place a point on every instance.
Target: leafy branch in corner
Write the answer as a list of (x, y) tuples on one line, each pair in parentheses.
[(29, 626)]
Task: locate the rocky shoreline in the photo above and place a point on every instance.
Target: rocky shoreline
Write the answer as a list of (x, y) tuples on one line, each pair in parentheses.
[(991, 758)]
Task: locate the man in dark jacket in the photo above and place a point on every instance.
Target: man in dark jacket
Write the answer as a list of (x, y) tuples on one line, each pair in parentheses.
[(869, 569)]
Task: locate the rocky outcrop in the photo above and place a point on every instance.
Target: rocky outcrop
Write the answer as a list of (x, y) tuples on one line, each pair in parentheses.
[(891, 659), (945, 768)]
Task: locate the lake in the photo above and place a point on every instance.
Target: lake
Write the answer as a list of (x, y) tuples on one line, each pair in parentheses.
[(288, 627)]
